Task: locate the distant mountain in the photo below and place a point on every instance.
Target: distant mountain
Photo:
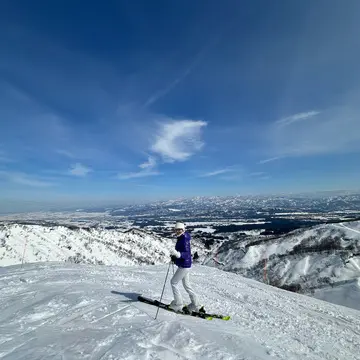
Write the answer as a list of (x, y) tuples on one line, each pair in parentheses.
[(310, 261), (84, 245), (246, 205), (278, 212)]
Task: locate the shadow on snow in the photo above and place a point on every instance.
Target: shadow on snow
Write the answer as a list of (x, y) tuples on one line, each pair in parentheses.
[(131, 297)]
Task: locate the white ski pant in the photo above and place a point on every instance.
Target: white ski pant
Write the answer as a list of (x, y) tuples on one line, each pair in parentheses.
[(182, 274)]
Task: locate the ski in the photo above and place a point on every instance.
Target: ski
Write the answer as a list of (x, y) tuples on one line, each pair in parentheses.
[(199, 314)]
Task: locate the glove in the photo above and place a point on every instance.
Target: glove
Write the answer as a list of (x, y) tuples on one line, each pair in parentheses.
[(173, 258), (175, 253)]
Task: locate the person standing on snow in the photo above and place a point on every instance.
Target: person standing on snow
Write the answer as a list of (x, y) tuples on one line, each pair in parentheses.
[(181, 256)]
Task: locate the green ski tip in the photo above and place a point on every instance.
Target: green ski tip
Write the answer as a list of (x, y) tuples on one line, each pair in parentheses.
[(226, 318)]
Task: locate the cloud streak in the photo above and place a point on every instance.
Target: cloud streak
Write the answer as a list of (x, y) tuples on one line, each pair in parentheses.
[(197, 58), (150, 164), (178, 140), (136, 175), (148, 168), (79, 170), (265, 161), (65, 153), (25, 179), (226, 170), (161, 93), (335, 131), (215, 173), (296, 118)]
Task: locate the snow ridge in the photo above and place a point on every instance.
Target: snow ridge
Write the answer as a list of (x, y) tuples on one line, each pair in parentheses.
[(84, 245), (304, 260)]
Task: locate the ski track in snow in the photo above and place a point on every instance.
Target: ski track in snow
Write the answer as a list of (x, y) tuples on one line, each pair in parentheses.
[(342, 226), (65, 311)]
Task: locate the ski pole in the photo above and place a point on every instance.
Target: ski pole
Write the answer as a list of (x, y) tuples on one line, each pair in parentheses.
[(23, 257), (163, 289)]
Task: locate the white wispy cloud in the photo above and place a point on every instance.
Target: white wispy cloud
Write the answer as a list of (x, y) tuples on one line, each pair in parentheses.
[(297, 117), (173, 141), (336, 130), (178, 140), (161, 93), (25, 179), (65, 153), (228, 173), (150, 164), (148, 168), (139, 174), (79, 170), (270, 159), (216, 172), (196, 60)]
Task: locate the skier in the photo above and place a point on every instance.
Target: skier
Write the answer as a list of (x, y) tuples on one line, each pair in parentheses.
[(181, 256)]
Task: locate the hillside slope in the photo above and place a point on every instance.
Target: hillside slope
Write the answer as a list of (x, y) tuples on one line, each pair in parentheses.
[(346, 294), (79, 245), (68, 311), (304, 260)]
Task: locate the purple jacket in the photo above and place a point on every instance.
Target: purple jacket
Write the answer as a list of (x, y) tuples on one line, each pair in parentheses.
[(183, 247)]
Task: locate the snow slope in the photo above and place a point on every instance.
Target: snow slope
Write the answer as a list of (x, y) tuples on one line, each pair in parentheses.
[(346, 294), (92, 245), (306, 260), (68, 311)]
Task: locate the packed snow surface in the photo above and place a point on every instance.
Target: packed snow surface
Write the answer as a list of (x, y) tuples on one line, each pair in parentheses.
[(68, 311)]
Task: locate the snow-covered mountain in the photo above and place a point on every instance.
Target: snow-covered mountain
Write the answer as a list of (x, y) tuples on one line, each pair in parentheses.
[(84, 245), (322, 261), (320, 201), (69, 311), (314, 207), (311, 261)]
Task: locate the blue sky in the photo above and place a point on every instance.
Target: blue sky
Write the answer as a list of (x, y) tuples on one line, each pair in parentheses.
[(130, 101)]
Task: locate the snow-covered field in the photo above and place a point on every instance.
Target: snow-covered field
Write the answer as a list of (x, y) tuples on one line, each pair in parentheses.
[(68, 311), (94, 245), (208, 230), (80, 218)]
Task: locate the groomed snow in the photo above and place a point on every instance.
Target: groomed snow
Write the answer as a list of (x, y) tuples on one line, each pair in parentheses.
[(64, 311)]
